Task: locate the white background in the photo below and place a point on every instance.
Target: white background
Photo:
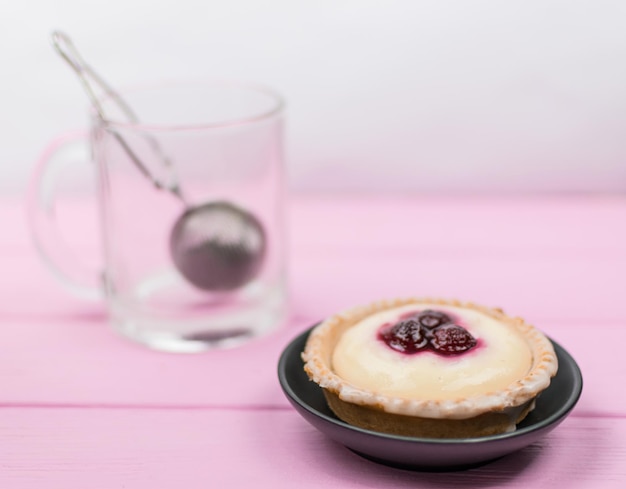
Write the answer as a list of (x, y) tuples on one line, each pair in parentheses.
[(395, 96)]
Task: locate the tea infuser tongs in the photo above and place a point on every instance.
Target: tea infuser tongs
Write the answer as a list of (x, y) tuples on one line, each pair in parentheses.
[(216, 246), (65, 47)]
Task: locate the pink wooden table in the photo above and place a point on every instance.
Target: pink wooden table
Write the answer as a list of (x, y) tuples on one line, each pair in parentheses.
[(82, 408)]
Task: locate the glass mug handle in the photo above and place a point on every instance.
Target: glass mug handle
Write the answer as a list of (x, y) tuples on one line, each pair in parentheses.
[(42, 198)]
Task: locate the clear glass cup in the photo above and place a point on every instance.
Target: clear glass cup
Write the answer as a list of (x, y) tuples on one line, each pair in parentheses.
[(215, 142)]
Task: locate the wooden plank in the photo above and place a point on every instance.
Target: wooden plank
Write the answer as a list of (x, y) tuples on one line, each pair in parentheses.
[(81, 363), (548, 226), (538, 288), (584, 288), (269, 448), (544, 224), (507, 252)]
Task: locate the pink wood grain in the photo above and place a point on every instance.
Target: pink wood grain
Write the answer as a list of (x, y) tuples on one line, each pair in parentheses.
[(102, 370), (142, 448), (375, 247), (81, 407)]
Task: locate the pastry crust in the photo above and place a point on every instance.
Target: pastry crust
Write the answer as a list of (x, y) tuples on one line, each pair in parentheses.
[(482, 414)]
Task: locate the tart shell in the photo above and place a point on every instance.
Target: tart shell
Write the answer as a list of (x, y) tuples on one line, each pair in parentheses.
[(484, 414)]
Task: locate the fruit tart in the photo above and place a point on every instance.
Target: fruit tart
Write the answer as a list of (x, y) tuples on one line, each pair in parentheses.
[(430, 367)]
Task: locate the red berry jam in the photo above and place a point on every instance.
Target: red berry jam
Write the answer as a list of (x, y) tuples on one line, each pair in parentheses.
[(407, 336), (449, 339), (427, 330)]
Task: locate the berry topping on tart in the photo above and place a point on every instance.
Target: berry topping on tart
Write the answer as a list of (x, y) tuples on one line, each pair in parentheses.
[(449, 339), (427, 330), (407, 336), (432, 319)]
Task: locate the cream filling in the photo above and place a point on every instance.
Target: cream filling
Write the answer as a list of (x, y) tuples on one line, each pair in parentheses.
[(501, 357)]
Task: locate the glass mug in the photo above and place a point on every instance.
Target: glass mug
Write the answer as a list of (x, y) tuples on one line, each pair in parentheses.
[(198, 144)]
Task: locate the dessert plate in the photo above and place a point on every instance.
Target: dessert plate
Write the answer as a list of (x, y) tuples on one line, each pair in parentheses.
[(553, 405)]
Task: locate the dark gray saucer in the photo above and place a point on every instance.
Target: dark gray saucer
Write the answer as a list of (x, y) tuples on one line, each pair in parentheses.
[(552, 407)]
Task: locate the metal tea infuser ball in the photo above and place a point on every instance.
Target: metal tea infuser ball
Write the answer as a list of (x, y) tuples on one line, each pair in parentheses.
[(216, 246)]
